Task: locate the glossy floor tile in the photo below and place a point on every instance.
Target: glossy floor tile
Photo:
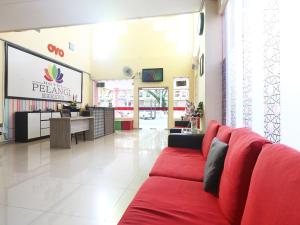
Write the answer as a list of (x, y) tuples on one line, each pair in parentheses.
[(91, 184)]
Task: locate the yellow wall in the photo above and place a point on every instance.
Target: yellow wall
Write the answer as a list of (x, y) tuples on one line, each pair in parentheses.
[(145, 43), (60, 37), (104, 49), (80, 36)]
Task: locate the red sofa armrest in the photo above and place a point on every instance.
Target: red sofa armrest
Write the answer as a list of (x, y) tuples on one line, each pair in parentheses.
[(193, 141)]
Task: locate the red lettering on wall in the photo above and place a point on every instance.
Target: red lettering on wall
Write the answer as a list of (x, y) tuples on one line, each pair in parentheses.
[(56, 50), (61, 53), (51, 48)]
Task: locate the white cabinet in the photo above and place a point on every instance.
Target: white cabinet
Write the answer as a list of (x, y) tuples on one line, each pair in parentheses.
[(34, 125), (45, 132), (45, 115), (45, 124)]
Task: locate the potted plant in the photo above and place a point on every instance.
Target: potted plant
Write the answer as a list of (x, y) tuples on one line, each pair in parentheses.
[(73, 103), (200, 110)]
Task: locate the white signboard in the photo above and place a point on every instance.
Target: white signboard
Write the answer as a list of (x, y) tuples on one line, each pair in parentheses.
[(32, 76)]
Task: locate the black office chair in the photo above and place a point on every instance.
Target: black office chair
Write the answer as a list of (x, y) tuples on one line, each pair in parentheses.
[(67, 113)]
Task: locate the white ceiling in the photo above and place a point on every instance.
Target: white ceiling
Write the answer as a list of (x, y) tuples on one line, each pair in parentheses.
[(34, 14)]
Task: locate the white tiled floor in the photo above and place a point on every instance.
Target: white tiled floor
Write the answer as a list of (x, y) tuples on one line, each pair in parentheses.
[(90, 184)]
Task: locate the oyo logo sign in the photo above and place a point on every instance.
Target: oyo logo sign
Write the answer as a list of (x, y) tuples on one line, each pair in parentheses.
[(56, 50)]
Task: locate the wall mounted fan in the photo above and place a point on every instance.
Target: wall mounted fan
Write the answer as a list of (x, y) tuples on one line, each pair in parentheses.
[(128, 72)]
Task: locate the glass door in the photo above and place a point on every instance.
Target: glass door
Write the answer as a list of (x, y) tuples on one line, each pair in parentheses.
[(153, 108)]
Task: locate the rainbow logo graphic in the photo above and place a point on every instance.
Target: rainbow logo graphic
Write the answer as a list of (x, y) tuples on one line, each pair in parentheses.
[(53, 73)]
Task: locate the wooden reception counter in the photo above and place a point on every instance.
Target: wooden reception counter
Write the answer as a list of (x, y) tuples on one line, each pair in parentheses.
[(61, 130), (104, 120)]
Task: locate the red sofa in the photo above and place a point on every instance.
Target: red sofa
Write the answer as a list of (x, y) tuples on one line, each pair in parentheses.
[(173, 194), (188, 163)]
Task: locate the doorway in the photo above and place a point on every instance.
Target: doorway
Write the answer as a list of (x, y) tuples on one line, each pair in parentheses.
[(153, 108)]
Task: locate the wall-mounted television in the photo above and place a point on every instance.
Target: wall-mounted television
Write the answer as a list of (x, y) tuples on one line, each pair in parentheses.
[(153, 75)]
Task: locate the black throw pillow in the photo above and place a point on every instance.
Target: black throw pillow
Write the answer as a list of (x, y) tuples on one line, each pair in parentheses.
[(214, 166)]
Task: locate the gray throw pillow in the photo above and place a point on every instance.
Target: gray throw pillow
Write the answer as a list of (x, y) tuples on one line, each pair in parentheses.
[(214, 166)]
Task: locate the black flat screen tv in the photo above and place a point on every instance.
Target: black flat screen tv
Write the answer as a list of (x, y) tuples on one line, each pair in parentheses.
[(153, 75)]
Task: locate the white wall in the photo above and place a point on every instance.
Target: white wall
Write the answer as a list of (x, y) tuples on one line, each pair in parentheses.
[(213, 62)]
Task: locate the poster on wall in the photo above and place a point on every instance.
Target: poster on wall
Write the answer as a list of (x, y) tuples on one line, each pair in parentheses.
[(29, 75)]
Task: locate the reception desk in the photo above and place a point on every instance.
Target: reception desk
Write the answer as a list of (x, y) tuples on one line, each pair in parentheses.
[(61, 130), (104, 120)]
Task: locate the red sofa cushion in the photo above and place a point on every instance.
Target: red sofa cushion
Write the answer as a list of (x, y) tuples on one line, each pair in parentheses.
[(210, 134), (244, 148), (181, 151), (181, 163), (274, 189), (224, 133), (162, 201)]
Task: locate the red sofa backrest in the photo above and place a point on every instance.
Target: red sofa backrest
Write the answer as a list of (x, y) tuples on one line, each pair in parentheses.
[(274, 195), (244, 148), (224, 133), (210, 134)]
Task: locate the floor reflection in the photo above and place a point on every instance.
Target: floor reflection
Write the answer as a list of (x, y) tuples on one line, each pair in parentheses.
[(90, 184)]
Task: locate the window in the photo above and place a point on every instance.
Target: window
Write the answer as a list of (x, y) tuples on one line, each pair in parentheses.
[(117, 94)]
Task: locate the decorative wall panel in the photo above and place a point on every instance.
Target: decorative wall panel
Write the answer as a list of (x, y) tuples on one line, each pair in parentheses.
[(232, 96), (252, 55), (224, 105), (272, 71), (247, 66)]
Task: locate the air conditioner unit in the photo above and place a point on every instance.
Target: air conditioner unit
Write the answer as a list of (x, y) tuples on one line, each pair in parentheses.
[(100, 84), (181, 83)]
